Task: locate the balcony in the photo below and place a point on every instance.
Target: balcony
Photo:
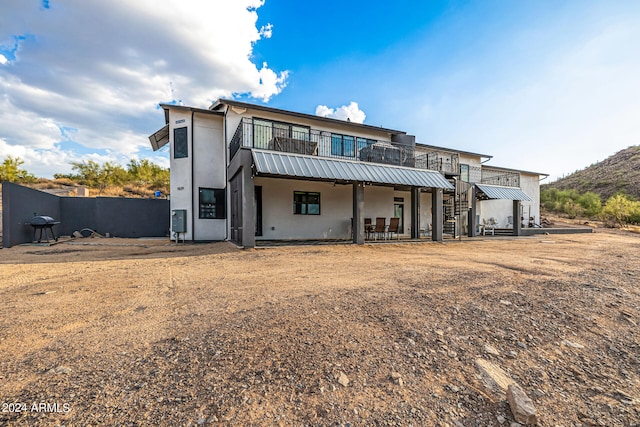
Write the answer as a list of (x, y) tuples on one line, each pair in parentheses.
[(266, 135), (504, 179)]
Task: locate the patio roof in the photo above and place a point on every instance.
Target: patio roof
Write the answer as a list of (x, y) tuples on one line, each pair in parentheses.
[(301, 166), (500, 192)]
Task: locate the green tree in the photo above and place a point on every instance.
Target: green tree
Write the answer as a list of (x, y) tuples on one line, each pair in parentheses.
[(572, 209), (146, 173), (10, 171), (591, 203), (88, 172), (618, 209)]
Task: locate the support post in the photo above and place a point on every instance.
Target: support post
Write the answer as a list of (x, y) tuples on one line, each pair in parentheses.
[(248, 205), (357, 226), (415, 212), (517, 226), (472, 226), (436, 214)]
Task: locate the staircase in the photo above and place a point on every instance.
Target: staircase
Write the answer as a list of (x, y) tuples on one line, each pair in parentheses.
[(455, 206)]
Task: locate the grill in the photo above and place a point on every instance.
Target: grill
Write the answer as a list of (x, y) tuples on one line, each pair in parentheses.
[(43, 224)]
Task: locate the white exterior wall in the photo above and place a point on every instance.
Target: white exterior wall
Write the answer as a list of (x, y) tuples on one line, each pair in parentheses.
[(209, 171), (279, 222), (207, 157), (426, 210), (181, 169), (502, 209), (498, 209), (336, 209), (530, 184)]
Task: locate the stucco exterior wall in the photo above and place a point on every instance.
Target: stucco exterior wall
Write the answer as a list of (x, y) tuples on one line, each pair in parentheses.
[(502, 209), (181, 182), (279, 221), (530, 184), (209, 171), (203, 167)]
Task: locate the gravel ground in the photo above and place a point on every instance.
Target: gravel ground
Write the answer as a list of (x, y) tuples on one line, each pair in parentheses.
[(141, 332)]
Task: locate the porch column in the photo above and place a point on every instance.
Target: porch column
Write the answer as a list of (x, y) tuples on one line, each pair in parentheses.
[(472, 232), (517, 227), (415, 212), (248, 203), (436, 214), (357, 227)]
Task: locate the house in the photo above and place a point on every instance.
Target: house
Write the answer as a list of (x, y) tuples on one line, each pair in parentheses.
[(250, 173)]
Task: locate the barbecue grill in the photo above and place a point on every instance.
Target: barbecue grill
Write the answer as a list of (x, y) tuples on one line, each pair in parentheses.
[(44, 224)]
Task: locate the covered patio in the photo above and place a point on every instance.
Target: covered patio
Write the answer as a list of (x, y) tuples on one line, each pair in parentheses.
[(371, 186)]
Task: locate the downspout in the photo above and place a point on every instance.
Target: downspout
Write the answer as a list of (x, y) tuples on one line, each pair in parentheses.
[(193, 209), (226, 176)]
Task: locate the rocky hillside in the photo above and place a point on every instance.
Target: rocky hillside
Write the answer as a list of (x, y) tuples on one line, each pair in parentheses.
[(618, 173)]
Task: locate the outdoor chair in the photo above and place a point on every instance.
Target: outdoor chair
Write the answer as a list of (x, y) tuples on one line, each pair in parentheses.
[(367, 227), (380, 227), (394, 225), (488, 226)]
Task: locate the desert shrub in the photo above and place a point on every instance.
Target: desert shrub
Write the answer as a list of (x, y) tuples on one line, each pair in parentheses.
[(591, 203), (573, 209), (618, 210)]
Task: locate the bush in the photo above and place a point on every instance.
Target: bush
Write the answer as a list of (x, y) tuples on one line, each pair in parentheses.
[(591, 203), (618, 210)]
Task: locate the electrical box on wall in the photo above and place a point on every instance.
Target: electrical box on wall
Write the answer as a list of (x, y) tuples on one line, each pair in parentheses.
[(179, 220)]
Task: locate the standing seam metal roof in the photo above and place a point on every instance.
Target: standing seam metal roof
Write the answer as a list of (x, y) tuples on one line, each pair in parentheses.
[(499, 192), (301, 166)]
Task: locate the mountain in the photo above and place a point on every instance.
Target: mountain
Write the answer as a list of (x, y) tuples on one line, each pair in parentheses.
[(618, 173)]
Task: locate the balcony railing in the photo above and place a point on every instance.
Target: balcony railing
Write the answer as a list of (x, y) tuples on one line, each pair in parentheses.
[(510, 179), (303, 140), (289, 138)]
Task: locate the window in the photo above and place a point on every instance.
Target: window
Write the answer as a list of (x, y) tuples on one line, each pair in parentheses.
[(180, 143), (265, 130), (364, 142), (464, 173), (212, 203), (342, 145), (305, 203)]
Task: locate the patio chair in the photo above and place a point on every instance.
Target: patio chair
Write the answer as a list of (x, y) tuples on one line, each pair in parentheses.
[(394, 225), (488, 226), (380, 227), (367, 227)]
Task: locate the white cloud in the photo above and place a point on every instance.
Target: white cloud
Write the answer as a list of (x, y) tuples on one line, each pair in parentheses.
[(102, 68), (349, 112)]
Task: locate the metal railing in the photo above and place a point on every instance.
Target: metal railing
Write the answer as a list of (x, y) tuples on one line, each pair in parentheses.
[(510, 179), (298, 139), (292, 138)]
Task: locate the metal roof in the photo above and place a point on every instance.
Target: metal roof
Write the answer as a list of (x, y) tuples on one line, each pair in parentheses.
[(499, 192), (159, 138), (301, 166)]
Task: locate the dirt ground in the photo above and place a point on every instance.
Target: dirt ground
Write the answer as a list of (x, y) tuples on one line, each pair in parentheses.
[(143, 332)]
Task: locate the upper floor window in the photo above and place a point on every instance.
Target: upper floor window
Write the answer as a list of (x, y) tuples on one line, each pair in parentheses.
[(364, 142), (342, 145), (464, 172), (180, 143), (266, 132)]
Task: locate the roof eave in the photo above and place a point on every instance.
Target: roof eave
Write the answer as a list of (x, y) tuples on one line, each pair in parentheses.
[(220, 102)]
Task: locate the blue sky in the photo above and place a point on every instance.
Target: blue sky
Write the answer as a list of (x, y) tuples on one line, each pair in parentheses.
[(541, 85)]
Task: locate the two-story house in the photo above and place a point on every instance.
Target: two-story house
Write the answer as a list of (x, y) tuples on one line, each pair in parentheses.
[(250, 173)]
